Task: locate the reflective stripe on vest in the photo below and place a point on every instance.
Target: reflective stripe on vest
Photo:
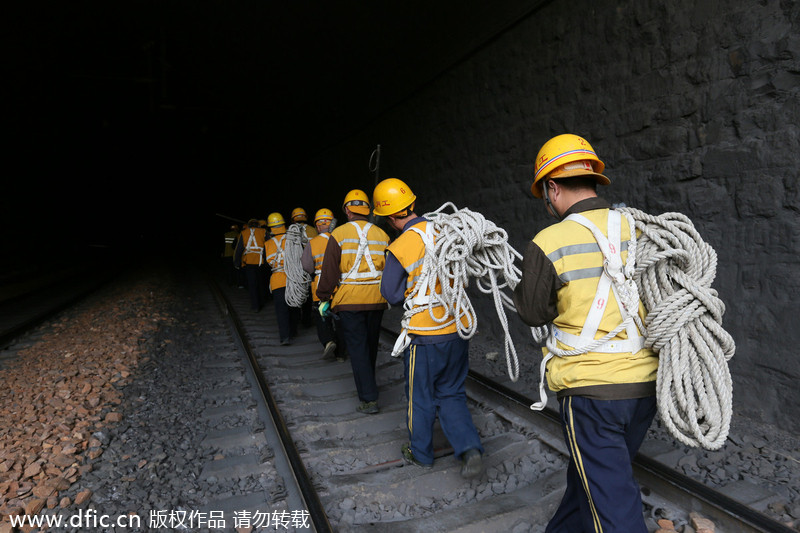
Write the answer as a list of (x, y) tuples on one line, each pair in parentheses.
[(612, 278)]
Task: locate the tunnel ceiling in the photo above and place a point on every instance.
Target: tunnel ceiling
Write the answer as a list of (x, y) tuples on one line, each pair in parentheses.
[(259, 82), (298, 73)]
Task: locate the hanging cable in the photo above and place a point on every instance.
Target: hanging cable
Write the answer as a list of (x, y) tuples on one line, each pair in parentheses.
[(297, 279)]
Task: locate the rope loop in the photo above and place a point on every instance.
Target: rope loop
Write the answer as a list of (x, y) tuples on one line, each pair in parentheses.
[(297, 279), (466, 246), (674, 272)]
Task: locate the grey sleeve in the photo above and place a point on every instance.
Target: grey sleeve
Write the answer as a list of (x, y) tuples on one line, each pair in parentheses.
[(307, 260)]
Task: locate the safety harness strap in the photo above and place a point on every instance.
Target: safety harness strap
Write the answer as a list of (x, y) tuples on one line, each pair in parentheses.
[(616, 277), (423, 296), (353, 276), (252, 246), (276, 259)]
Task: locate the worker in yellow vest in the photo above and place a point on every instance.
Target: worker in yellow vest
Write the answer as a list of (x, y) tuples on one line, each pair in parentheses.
[(574, 278), (274, 249), (299, 217), (249, 254), (436, 362), (229, 269), (349, 285), (313, 254)]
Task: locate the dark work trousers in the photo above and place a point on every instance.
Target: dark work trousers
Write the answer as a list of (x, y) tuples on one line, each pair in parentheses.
[(256, 285), (288, 317), (361, 332), (327, 330), (306, 317), (230, 272), (435, 376), (603, 437)]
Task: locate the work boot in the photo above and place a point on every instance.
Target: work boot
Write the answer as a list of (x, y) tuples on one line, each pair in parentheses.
[(409, 458), (286, 342), (369, 408), (330, 351), (471, 463)]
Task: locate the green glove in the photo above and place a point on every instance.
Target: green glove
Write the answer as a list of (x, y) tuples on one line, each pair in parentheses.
[(324, 309)]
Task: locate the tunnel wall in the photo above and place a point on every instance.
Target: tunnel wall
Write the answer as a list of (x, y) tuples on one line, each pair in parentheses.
[(693, 106)]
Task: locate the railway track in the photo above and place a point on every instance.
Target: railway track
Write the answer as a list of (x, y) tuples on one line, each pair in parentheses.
[(26, 301), (352, 477), (277, 430)]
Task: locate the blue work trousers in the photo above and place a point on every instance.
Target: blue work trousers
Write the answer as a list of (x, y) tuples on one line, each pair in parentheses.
[(435, 376), (361, 332), (603, 437)]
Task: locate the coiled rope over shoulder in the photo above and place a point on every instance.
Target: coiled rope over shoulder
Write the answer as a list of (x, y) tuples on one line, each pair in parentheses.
[(674, 272), (674, 269), (297, 279), (465, 246)]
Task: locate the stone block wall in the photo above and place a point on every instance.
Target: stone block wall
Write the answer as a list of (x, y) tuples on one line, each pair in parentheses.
[(693, 106)]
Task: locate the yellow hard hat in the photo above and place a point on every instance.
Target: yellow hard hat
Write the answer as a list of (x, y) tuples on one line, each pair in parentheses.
[(565, 156), (299, 214), (323, 214), (262, 223), (357, 202), (275, 219), (391, 196)]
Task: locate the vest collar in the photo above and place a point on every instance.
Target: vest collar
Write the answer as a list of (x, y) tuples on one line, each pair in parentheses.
[(414, 221)]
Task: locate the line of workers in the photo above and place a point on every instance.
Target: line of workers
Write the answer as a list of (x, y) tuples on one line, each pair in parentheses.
[(356, 271), (572, 272)]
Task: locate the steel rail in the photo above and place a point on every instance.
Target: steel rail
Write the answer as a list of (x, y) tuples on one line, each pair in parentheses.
[(308, 493), (40, 314), (680, 489)]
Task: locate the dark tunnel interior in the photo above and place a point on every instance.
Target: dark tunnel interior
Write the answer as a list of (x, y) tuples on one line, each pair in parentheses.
[(158, 122)]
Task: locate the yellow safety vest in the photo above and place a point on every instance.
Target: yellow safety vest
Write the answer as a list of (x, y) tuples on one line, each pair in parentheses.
[(363, 246), (274, 250), (588, 307), (409, 250), (230, 243), (253, 239)]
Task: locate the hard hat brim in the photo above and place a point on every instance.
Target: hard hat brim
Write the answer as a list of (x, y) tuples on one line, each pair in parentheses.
[(359, 209)]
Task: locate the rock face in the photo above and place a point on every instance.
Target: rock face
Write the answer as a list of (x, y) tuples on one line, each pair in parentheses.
[(693, 108)]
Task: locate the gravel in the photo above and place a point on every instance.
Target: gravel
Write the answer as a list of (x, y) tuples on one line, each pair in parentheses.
[(102, 414), (138, 450)]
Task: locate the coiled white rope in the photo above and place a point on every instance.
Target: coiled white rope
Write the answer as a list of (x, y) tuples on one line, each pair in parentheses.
[(297, 279), (465, 246), (674, 272)]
